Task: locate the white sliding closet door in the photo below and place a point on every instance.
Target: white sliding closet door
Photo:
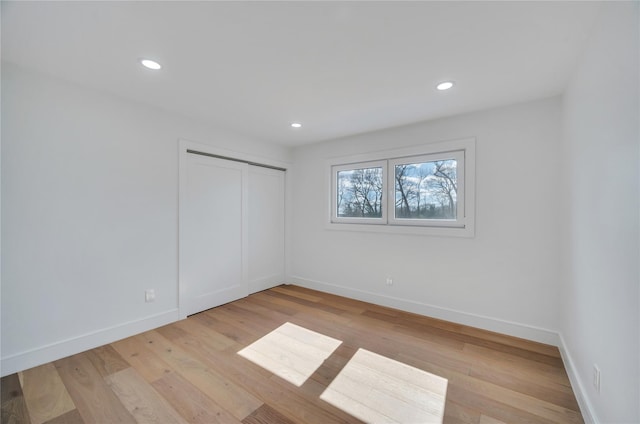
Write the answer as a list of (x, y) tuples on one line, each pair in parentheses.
[(266, 228), (213, 233)]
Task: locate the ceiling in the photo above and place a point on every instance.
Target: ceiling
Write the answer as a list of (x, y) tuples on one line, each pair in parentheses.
[(339, 68)]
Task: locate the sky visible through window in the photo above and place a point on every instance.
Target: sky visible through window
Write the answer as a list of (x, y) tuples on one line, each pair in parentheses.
[(424, 190), (360, 193)]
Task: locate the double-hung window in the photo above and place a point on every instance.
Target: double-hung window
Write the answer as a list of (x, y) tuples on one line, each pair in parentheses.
[(405, 191)]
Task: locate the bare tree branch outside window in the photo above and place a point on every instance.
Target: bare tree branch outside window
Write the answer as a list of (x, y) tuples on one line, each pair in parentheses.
[(359, 193), (416, 190), (426, 190)]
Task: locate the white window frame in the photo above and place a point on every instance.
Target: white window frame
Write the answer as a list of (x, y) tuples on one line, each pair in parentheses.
[(459, 222), (463, 150), (334, 198)]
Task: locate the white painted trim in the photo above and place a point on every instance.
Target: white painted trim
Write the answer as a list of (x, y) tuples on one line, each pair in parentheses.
[(421, 149), (336, 169), (54, 351), (411, 230), (459, 222), (497, 325), (467, 145), (586, 408)]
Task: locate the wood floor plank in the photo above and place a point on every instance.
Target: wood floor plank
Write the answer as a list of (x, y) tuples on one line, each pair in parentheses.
[(297, 293), (444, 358), (107, 360), (44, 393), (249, 305), (10, 388), (142, 401), (191, 403), (491, 369), (484, 419), (424, 333), (262, 300), (13, 407), (192, 369), (71, 417), (549, 409), (490, 357), (230, 396), (491, 407), (202, 332), (209, 319), (202, 350), (372, 386), (259, 381), (305, 405), (237, 318), (267, 415), (530, 404), (452, 334), (94, 400), (14, 411), (148, 364), (456, 413), (483, 334), (351, 305), (411, 339), (304, 302), (301, 405), (559, 395)]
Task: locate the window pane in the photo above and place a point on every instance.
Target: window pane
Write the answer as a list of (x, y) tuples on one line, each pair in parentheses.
[(359, 193), (426, 190)]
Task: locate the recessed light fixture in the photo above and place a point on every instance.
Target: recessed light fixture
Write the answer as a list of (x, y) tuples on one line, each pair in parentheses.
[(445, 85), (296, 125), (150, 64)]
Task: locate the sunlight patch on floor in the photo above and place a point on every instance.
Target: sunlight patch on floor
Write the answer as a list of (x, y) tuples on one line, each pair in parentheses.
[(291, 352), (377, 389)]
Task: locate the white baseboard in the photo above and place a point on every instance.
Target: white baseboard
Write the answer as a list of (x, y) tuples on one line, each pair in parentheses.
[(473, 320), (588, 412), (38, 356), (487, 323)]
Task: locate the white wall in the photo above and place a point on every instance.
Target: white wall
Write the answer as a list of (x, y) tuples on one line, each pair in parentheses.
[(89, 215), (505, 279), (600, 302)]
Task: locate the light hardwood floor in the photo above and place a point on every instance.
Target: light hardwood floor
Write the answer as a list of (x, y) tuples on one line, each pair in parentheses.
[(189, 371)]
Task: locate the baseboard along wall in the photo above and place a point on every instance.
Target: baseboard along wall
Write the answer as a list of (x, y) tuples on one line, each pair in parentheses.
[(54, 351), (510, 328), (28, 359)]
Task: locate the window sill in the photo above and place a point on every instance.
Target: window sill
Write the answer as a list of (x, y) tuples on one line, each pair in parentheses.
[(466, 232)]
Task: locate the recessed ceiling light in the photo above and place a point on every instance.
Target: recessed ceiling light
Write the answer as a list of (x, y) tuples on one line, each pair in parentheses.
[(445, 85), (150, 64), (296, 125)]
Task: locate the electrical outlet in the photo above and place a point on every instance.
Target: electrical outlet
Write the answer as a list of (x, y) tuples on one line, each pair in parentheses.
[(149, 295), (596, 378), (389, 281)]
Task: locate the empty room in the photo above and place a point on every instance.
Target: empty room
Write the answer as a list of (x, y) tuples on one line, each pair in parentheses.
[(320, 212)]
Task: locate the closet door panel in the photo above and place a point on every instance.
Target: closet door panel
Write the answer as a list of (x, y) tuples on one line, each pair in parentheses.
[(213, 233), (266, 235)]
